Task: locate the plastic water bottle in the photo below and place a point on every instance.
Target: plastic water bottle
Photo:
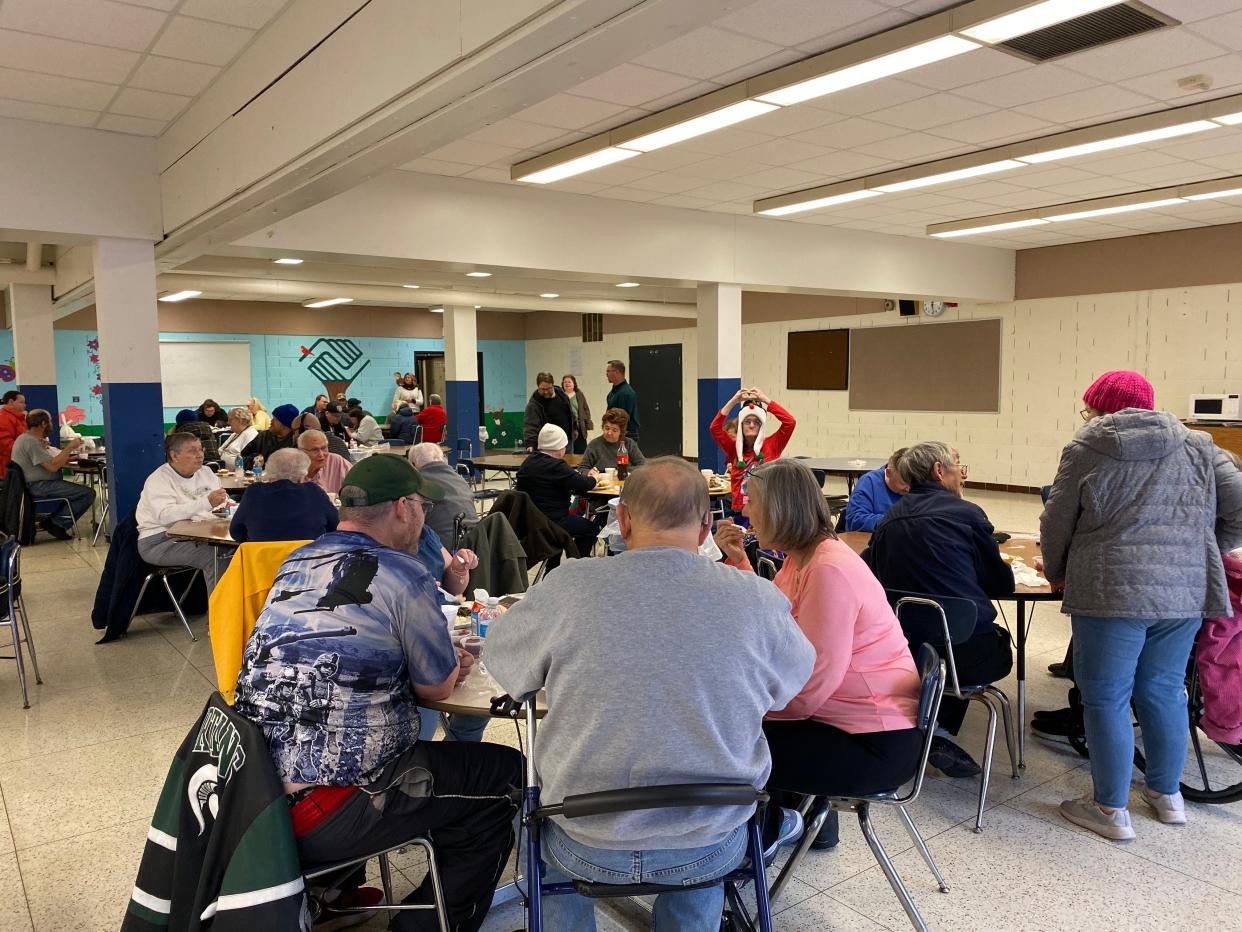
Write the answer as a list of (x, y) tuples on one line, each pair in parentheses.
[(623, 461), (488, 614), (239, 467)]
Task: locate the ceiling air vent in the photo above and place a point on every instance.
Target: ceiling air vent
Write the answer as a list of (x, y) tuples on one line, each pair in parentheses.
[(1087, 32)]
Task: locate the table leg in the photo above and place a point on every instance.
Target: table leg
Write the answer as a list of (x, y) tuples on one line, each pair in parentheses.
[(1021, 722)]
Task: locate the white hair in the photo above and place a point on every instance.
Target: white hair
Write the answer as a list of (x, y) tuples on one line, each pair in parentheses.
[(286, 463), (423, 453)]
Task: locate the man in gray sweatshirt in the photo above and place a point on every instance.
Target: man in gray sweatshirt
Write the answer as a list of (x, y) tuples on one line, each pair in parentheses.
[(659, 666)]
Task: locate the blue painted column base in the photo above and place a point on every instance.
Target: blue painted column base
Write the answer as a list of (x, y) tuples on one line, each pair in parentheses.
[(43, 396), (134, 438), (713, 393), (462, 406)]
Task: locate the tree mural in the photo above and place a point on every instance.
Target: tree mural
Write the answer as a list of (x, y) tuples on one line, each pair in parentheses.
[(336, 362)]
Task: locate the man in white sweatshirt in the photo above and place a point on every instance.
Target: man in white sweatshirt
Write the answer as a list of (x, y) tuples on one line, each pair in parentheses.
[(181, 488)]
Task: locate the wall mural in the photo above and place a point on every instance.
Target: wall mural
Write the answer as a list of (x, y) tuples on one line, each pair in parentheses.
[(335, 361), (8, 370)]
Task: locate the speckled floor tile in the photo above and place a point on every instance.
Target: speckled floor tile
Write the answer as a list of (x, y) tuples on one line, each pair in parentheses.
[(48, 800), (822, 913), (6, 835), (1026, 873), (14, 914)]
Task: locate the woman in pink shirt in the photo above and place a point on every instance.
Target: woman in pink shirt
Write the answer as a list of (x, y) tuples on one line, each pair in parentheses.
[(851, 728)]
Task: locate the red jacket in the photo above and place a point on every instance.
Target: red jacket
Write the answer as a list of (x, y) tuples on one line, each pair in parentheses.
[(772, 448), (1219, 656), (12, 426), (432, 418)]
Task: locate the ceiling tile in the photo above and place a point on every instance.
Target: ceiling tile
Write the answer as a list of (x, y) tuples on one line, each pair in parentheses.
[(1089, 187), (149, 104), (1222, 30), (1189, 11), (1002, 125), (1130, 57), (97, 21), (782, 151), (668, 183), (1225, 163), (727, 191), (1216, 142), (776, 179), (697, 89), (632, 85), (569, 112), (911, 147), (889, 19), (842, 164), (472, 152), (165, 5), (723, 168), (1171, 174), (790, 120), (44, 113), (201, 41), (1225, 71), (759, 66), (251, 14), (47, 89), (629, 194), (848, 134), (1025, 86), (1104, 101), (683, 200), (789, 22), (434, 167), (620, 174), (488, 173), (725, 141), (706, 52), (520, 134), (173, 76), (931, 111), (979, 65), (1110, 163), (669, 159), (67, 59), (135, 126)]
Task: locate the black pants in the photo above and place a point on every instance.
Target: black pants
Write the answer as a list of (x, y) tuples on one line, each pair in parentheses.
[(811, 758), (580, 443), (461, 796), (985, 658), (582, 530)]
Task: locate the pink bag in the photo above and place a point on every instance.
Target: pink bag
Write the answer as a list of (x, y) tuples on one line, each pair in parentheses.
[(1219, 657)]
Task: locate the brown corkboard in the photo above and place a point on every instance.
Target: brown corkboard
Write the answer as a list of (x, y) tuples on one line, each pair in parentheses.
[(954, 366)]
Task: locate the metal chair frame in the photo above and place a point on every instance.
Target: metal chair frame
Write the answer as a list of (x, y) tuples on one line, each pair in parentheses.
[(815, 809), (311, 872), (992, 698), (15, 611), (163, 572), (633, 799)]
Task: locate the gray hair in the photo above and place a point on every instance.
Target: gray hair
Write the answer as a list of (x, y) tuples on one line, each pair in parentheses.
[(795, 515), (365, 515), (666, 493), (435, 400), (177, 441), (242, 414), (286, 463), (423, 453), (917, 463), (37, 418), (308, 435)]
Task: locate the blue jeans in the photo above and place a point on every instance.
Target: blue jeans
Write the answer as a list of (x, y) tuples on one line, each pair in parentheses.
[(80, 500), (1114, 659), (456, 727), (692, 911)]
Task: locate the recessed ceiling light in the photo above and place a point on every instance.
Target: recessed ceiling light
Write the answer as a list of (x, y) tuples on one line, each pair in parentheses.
[(1130, 139), (326, 302), (627, 284), (991, 228), (288, 260), (819, 202), (1032, 18), (1122, 209), (478, 274), (478, 307), (699, 126), (584, 163), (436, 310), (180, 296), (409, 286), (549, 294)]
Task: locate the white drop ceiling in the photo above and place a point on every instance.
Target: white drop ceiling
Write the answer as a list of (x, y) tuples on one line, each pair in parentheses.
[(981, 99), (129, 67)]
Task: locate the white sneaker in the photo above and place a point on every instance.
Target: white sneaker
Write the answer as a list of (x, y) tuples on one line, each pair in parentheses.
[(1170, 807), (1089, 814)]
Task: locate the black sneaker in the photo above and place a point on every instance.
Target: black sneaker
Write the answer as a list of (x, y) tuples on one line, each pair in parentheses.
[(951, 760), (1059, 670), (1052, 728), (1051, 714), (57, 531), (829, 833)]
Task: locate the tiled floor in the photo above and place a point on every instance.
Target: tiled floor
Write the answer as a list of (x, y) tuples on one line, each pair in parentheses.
[(80, 771)]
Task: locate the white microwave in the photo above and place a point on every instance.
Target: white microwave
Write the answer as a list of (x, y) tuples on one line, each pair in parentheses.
[(1215, 408)]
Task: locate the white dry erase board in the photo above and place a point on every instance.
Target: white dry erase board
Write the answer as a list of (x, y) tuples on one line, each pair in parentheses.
[(193, 370)]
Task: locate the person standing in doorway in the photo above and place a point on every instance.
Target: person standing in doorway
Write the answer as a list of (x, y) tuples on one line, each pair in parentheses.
[(622, 395)]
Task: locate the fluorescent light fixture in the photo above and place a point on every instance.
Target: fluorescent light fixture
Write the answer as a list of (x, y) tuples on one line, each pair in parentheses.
[(991, 228), (945, 177), (627, 284), (288, 260), (1039, 16), (818, 202), (549, 294), (436, 310), (478, 307), (326, 302), (1132, 139), (409, 286), (180, 296), (883, 66), (1211, 196), (583, 163), (698, 126), (1229, 119), (478, 275), (1121, 209)]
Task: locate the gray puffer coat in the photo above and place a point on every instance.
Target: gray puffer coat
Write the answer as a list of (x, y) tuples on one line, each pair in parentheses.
[(1139, 512)]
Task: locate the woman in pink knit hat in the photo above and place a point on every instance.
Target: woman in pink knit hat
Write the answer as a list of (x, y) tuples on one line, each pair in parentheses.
[(1132, 531)]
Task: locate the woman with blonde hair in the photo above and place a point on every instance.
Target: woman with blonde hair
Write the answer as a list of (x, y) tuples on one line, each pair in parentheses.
[(259, 418)]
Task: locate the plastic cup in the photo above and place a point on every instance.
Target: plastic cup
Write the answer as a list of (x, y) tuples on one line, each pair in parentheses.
[(474, 644)]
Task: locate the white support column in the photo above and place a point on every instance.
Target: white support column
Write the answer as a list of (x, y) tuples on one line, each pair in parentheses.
[(461, 376), (719, 335), (129, 366), (34, 346)]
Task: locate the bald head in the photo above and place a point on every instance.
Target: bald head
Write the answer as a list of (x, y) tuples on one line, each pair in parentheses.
[(664, 495)]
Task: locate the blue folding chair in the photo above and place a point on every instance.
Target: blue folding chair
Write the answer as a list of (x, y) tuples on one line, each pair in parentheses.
[(751, 870)]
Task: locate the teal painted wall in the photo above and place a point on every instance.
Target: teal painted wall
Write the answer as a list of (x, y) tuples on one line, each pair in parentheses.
[(279, 374)]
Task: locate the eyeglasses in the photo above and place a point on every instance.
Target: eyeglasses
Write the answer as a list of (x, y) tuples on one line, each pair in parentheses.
[(427, 505), (1085, 414), (964, 469)]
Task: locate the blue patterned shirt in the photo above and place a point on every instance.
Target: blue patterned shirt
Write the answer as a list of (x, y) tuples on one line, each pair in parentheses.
[(348, 627)]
